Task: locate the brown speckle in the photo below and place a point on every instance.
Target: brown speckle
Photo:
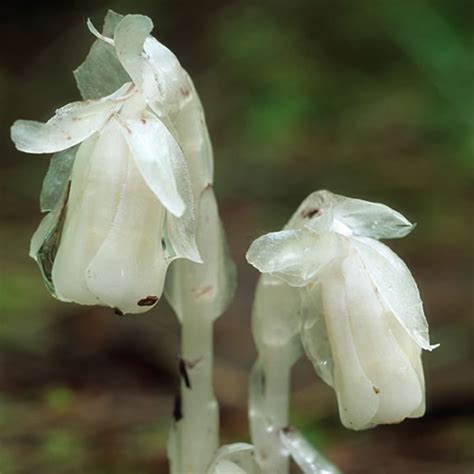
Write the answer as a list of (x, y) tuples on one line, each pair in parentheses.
[(148, 301), (177, 410), (184, 372), (118, 312), (184, 91), (311, 212), (202, 291), (376, 390), (143, 121)]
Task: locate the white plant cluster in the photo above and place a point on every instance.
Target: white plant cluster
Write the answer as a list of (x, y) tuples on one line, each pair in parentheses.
[(131, 215)]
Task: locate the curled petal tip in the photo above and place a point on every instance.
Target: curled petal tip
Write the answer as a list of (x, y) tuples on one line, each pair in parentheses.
[(98, 35)]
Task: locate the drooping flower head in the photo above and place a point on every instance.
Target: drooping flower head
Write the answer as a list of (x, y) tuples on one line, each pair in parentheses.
[(131, 163), (363, 324)]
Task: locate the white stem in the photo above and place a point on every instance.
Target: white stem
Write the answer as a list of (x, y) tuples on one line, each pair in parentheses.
[(194, 437), (269, 405)]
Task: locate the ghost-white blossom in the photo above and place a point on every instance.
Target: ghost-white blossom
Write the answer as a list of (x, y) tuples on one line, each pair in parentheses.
[(363, 324), (119, 191)]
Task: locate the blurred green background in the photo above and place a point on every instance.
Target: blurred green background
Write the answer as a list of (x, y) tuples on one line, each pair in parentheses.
[(371, 99)]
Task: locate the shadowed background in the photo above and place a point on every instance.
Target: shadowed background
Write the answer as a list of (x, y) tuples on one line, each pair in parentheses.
[(367, 99)]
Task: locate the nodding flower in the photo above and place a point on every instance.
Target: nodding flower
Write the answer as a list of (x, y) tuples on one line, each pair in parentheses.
[(362, 319), (131, 162)]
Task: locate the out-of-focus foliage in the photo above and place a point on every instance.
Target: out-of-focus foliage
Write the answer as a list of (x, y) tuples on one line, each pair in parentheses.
[(369, 99)]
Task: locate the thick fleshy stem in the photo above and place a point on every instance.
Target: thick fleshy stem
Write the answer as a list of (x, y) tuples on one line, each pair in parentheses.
[(199, 294), (269, 406), (195, 434)]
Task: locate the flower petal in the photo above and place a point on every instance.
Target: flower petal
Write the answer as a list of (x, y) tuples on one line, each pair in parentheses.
[(390, 371), (159, 159), (413, 352), (315, 212), (45, 241), (355, 395), (57, 178), (128, 271), (192, 134), (174, 84), (396, 286), (295, 256), (129, 37), (370, 219), (314, 335), (207, 286), (71, 124), (97, 177), (102, 73)]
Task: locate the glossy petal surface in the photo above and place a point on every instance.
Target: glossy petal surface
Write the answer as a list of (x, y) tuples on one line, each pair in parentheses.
[(397, 288), (71, 124), (295, 256), (159, 159)]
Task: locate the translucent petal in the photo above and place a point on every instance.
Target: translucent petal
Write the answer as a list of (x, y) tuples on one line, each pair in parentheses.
[(129, 36), (393, 378), (396, 286), (315, 212), (57, 178), (295, 256), (45, 240), (102, 73), (305, 456), (128, 270), (97, 178), (234, 458), (192, 134), (159, 159), (370, 219), (314, 334), (413, 352), (209, 285), (276, 315), (174, 84), (71, 124), (357, 400), (111, 20)]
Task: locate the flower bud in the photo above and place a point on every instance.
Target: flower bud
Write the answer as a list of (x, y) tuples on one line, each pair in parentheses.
[(119, 191), (363, 324)]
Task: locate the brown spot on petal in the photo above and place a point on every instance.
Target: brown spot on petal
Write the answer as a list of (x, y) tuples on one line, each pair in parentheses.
[(376, 390), (311, 212), (118, 312), (143, 121), (202, 291), (148, 301), (184, 91)]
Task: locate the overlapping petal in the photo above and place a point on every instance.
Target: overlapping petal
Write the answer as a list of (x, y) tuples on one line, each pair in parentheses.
[(396, 286), (102, 73), (295, 256), (370, 219), (57, 178), (314, 335), (208, 286), (159, 158), (71, 124)]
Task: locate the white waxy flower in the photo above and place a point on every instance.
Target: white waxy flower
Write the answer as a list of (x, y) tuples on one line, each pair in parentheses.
[(119, 191), (363, 324)]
